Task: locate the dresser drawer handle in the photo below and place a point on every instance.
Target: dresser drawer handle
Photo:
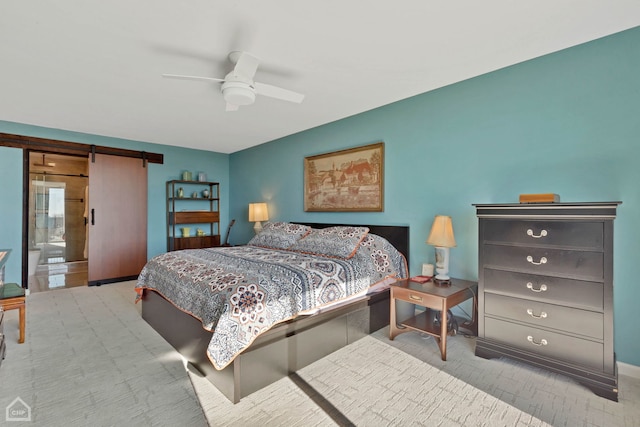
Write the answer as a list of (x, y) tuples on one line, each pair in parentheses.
[(541, 343), (543, 287), (543, 260), (542, 315), (415, 297), (543, 233)]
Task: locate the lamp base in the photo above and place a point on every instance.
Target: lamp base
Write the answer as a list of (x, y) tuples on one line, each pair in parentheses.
[(442, 267), (257, 227), (442, 280)]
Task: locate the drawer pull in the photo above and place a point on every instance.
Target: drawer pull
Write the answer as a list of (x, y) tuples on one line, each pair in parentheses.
[(542, 288), (415, 297), (543, 314), (543, 233), (541, 343), (543, 260)]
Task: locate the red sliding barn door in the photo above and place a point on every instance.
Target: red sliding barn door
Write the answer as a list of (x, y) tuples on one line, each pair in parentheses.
[(117, 228)]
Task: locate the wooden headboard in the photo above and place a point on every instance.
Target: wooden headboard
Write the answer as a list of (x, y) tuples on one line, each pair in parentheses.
[(397, 235)]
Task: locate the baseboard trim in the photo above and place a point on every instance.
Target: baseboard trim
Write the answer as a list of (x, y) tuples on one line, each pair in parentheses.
[(628, 370)]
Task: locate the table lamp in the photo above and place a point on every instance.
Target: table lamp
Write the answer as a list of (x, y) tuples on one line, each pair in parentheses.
[(441, 236), (258, 213)]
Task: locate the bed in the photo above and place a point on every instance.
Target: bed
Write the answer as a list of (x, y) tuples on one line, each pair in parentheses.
[(308, 315)]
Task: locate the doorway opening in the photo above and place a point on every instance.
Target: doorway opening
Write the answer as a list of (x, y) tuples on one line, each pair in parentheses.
[(57, 233)]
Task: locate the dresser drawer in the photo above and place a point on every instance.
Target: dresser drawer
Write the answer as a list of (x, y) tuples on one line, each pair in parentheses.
[(580, 235), (545, 343), (582, 265), (556, 290), (541, 315)]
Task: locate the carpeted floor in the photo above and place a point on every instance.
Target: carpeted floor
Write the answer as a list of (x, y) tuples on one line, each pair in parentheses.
[(377, 382), (391, 388), (90, 359)]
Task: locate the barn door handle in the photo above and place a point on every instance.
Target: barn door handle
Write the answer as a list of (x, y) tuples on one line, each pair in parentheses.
[(93, 217)]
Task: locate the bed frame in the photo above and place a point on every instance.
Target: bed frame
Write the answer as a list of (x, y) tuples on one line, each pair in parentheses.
[(286, 347)]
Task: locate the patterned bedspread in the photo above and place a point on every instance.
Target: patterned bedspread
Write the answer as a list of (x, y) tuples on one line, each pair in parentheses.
[(240, 292)]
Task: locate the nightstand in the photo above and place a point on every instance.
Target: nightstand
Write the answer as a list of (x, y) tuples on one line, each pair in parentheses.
[(435, 297)]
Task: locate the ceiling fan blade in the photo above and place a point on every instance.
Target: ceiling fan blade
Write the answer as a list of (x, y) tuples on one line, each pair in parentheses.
[(278, 92), (232, 107), (246, 64), (180, 76)]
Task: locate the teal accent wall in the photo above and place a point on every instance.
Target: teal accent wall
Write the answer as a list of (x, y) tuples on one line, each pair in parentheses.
[(564, 123), (11, 210), (215, 165)]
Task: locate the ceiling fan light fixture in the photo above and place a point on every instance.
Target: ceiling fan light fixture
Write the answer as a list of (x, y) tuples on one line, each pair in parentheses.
[(238, 87), (238, 93)]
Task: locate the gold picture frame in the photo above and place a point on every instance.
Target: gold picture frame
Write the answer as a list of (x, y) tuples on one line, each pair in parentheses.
[(350, 180)]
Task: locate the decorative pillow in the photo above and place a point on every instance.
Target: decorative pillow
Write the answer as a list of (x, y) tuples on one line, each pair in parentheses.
[(279, 235), (336, 242)]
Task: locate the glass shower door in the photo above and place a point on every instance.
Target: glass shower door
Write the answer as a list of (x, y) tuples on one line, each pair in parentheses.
[(47, 224)]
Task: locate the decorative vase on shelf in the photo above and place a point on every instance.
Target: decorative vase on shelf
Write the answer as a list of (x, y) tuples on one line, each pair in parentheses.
[(205, 194), (186, 176), (180, 193)]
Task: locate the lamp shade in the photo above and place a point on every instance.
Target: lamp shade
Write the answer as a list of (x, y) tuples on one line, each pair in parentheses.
[(442, 232), (258, 212)]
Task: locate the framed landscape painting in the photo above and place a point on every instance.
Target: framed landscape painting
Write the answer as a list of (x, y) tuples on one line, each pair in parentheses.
[(346, 180)]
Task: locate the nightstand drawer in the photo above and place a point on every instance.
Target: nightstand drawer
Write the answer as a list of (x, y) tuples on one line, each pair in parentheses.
[(580, 235), (583, 265), (414, 297), (545, 343), (556, 290), (540, 315)]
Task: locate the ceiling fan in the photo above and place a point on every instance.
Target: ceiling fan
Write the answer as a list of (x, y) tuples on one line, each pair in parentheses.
[(238, 87)]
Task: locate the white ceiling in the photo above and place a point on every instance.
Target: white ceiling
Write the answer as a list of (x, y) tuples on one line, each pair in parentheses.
[(95, 66)]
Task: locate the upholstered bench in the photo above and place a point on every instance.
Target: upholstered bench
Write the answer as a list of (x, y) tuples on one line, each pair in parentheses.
[(12, 297)]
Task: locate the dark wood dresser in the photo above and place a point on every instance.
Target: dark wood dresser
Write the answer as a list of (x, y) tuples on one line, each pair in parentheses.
[(545, 288)]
